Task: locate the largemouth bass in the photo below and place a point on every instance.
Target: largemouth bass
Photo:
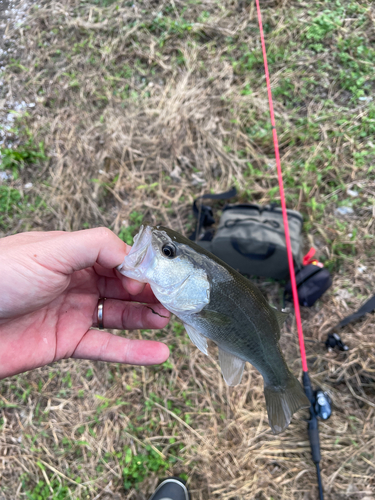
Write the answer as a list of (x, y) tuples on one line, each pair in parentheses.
[(216, 302)]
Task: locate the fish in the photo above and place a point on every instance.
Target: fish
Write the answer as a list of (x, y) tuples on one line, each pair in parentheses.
[(216, 302)]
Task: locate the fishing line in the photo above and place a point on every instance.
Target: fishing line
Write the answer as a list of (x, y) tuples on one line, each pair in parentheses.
[(313, 422)]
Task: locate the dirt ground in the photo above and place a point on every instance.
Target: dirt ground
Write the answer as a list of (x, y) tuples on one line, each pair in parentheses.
[(118, 112)]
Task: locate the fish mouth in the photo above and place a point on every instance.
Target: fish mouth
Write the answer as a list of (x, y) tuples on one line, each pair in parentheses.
[(138, 252), (140, 255), (138, 236)]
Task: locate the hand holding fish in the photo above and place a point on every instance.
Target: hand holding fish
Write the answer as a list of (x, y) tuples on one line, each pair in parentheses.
[(50, 286)]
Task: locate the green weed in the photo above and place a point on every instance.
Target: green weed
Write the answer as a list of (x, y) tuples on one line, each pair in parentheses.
[(16, 158), (127, 233), (13, 205), (10, 199), (103, 3), (178, 328), (135, 468), (165, 25), (42, 491), (15, 66), (321, 26), (357, 60)]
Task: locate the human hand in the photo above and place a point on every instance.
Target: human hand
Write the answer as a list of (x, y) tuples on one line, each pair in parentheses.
[(49, 289)]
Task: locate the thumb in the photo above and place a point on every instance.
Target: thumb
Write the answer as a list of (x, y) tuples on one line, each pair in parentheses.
[(69, 252)]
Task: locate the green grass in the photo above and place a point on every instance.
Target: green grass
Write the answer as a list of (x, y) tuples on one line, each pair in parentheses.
[(17, 157), (14, 159), (127, 233), (135, 468), (10, 199), (42, 491)]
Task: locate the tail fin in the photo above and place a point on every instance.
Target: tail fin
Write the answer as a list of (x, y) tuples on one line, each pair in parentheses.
[(282, 402)]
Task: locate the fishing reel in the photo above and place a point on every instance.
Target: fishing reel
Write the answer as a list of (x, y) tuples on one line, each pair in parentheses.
[(322, 405), (320, 402), (334, 340)]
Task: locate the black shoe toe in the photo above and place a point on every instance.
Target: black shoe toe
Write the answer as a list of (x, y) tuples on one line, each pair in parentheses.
[(172, 488)]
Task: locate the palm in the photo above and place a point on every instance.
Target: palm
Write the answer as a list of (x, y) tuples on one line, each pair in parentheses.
[(59, 327)]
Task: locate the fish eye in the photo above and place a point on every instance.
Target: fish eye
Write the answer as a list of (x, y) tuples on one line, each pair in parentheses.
[(169, 250)]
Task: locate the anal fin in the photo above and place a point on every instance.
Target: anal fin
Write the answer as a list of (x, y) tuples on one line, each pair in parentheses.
[(231, 367), (197, 338)]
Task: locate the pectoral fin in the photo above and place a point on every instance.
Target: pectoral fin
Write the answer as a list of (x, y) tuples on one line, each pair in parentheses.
[(231, 367), (197, 338)]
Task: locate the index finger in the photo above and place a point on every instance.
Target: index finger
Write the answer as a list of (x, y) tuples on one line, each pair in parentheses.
[(130, 285), (114, 288)]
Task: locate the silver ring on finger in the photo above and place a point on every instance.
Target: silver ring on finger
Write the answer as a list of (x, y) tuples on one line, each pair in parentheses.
[(101, 313)]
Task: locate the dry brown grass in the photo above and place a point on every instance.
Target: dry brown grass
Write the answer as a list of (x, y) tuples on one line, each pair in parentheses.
[(120, 105), (228, 450)]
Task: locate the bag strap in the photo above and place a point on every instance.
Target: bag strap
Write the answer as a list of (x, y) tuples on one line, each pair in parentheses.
[(204, 214), (334, 339), (367, 307)]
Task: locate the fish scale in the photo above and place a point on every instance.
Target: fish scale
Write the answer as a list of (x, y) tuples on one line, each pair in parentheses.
[(242, 336)]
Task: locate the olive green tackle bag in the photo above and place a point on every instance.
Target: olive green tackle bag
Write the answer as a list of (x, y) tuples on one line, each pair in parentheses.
[(250, 237)]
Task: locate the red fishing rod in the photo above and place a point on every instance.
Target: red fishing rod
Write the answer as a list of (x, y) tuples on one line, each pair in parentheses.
[(313, 429)]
